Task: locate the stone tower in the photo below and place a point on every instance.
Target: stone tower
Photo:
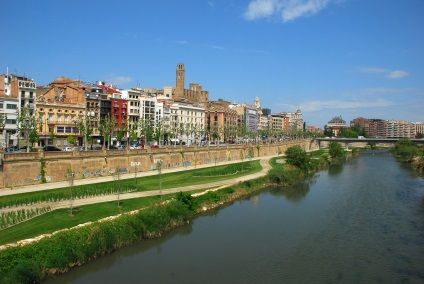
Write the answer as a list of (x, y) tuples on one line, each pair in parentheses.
[(257, 104), (179, 85)]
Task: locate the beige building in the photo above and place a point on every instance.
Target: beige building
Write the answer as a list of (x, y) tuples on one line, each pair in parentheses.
[(400, 128), (59, 120), (419, 128), (335, 124)]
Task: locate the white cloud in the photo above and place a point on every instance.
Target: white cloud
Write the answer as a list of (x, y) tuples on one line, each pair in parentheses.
[(181, 42), (261, 8), (395, 74), (340, 104), (217, 47), (288, 10), (296, 9), (383, 72), (120, 80)]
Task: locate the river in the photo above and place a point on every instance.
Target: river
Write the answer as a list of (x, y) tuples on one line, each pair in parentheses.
[(358, 222)]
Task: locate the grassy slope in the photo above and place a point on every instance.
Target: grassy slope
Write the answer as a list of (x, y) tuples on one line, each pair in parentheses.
[(61, 219)]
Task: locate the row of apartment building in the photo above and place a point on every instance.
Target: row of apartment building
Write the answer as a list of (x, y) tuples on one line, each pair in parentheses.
[(380, 128), (67, 108)]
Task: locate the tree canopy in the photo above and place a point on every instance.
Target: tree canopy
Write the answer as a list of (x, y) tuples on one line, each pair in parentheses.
[(298, 157)]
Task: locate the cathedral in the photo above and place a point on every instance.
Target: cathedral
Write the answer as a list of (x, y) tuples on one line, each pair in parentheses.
[(193, 94)]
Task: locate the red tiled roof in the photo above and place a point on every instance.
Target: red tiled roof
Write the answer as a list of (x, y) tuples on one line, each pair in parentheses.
[(108, 89)]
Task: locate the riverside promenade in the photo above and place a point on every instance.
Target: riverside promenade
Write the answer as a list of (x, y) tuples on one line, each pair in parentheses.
[(264, 161)]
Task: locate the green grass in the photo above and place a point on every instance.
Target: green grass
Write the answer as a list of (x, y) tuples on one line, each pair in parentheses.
[(169, 180), (61, 219)]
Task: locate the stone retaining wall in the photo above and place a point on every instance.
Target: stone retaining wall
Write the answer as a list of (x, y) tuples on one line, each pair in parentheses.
[(21, 169)]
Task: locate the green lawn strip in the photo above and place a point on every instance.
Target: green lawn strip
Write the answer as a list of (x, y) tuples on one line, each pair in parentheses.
[(169, 180), (319, 153), (61, 219)]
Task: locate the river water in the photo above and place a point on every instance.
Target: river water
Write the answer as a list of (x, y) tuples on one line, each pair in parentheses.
[(358, 222)]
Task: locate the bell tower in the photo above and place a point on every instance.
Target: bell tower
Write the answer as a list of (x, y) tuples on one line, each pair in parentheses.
[(179, 84)]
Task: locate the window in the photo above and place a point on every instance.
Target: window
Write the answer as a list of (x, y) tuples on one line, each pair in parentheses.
[(9, 106), (1, 105)]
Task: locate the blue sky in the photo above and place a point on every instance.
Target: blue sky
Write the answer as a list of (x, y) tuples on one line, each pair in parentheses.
[(327, 57)]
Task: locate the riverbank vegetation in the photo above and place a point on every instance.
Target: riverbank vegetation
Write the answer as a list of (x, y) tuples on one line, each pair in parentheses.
[(67, 248), (298, 165), (409, 152)]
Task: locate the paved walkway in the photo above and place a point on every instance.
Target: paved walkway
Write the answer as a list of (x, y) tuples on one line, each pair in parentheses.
[(98, 199)]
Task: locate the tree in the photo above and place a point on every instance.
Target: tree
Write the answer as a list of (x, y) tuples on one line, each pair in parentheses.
[(33, 136), (335, 150), (406, 150), (70, 139), (26, 122), (298, 157), (133, 134), (158, 133), (107, 128), (328, 131), (2, 126), (419, 135), (52, 136), (85, 130)]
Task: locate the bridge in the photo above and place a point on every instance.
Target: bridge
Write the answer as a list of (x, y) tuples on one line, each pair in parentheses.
[(347, 141)]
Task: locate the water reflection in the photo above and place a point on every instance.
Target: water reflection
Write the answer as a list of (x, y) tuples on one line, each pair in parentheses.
[(335, 168), (364, 224)]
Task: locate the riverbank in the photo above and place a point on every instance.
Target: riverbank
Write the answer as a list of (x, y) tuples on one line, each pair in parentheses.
[(68, 248)]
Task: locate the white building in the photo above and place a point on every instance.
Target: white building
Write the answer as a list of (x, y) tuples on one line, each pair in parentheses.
[(8, 116), (187, 121)]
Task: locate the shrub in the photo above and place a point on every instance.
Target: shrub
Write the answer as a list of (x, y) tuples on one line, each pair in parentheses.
[(335, 150), (27, 271), (298, 157), (186, 199), (288, 176)]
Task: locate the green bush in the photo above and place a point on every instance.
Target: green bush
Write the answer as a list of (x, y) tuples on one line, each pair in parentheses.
[(298, 157), (187, 200), (335, 150), (285, 177), (27, 271)]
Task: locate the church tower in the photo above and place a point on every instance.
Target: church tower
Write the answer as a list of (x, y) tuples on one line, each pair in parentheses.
[(179, 85), (257, 104)]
